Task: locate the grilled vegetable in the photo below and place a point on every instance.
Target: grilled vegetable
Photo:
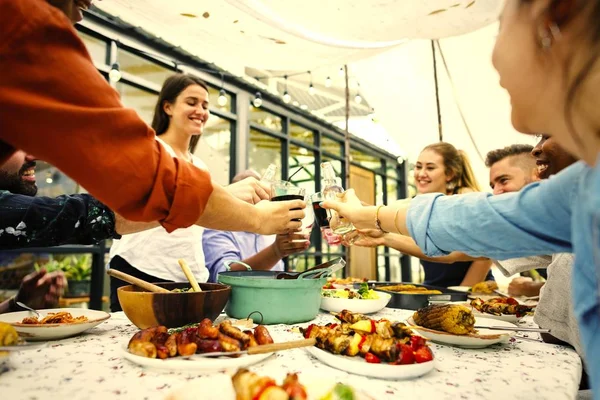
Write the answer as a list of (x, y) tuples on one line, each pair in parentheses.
[(451, 318), (8, 335), (486, 287)]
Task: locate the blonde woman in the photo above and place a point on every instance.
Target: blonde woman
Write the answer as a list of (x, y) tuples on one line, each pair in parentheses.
[(440, 168)]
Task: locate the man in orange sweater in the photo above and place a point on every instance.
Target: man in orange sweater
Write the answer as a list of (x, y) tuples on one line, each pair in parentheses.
[(57, 106)]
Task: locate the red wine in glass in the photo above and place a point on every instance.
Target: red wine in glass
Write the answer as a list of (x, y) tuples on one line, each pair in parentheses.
[(286, 197), (320, 215)]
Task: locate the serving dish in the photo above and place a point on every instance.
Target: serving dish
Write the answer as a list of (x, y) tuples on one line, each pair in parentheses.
[(482, 338), (358, 366), (204, 364), (172, 309), (32, 332), (363, 306), (280, 301), (416, 301)]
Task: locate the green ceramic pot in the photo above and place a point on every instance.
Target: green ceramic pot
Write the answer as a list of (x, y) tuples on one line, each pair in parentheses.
[(280, 301)]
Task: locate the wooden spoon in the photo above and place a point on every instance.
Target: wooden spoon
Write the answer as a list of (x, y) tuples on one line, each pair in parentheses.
[(188, 273), (136, 281)]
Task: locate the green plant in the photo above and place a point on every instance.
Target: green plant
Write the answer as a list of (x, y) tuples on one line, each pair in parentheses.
[(75, 267)]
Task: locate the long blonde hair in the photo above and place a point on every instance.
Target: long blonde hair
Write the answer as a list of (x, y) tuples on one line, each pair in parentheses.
[(457, 165)]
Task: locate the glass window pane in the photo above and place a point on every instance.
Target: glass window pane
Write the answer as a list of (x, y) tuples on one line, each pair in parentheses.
[(302, 166), (213, 99), (214, 146), (301, 262), (142, 68), (301, 133), (379, 189), (263, 150), (96, 47), (391, 169), (142, 101), (392, 190), (262, 117), (331, 146), (366, 160)]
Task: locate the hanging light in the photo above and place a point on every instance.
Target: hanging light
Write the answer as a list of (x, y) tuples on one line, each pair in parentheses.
[(296, 103), (257, 102), (304, 107), (357, 98), (286, 97), (341, 72), (328, 82), (373, 116), (115, 73), (311, 88), (222, 100)]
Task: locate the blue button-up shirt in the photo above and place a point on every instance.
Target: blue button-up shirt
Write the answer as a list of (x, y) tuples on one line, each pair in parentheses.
[(561, 214), (220, 246)]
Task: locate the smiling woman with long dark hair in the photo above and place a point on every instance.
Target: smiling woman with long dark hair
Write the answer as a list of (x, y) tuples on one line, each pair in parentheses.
[(548, 57)]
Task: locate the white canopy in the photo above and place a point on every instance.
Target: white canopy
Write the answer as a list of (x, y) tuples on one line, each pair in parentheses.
[(395, 74)]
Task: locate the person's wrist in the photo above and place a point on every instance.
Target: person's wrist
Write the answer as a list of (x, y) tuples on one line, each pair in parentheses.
[(12, 304), (365, 218), (276, 251)]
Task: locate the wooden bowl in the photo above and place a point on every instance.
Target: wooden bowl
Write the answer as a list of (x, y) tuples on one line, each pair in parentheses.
[(146, 309)]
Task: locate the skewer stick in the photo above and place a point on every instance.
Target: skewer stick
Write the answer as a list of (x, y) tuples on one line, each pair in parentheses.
[(189, 275)]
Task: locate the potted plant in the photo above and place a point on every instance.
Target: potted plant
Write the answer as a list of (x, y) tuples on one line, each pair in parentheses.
[(77, 269)]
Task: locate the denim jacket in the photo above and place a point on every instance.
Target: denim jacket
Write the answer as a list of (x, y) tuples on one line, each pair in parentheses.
[(561, 214)]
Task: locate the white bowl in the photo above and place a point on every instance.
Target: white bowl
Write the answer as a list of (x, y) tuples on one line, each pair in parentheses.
[(32, 332), (363, 306)]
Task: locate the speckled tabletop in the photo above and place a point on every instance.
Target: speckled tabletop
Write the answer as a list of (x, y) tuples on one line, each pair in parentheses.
[(91, 366)]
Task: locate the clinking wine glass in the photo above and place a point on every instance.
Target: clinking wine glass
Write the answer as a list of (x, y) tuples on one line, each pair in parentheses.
[(283, 191)]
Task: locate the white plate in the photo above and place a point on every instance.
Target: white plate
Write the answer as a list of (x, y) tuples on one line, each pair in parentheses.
[(204, 364), (54, 331), (357, 365), (465, 289), (316, 387), (366, 306), (483, 338)]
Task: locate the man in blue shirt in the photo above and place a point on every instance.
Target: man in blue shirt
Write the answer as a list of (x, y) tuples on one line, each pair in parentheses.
[(261, 253)]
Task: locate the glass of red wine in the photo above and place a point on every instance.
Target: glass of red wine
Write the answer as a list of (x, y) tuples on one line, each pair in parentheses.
[(322, 219)]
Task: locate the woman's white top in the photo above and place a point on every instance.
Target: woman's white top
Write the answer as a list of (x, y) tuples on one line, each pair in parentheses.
[(156, 252)]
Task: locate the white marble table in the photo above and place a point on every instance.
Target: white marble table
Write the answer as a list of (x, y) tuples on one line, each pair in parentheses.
[(90, 366)]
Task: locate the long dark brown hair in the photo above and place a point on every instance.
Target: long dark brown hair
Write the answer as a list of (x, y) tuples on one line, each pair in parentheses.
[(172, 88)]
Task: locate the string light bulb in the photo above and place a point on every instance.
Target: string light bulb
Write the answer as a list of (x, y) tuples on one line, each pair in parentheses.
[(311, 88), (115, 73), (328, 82), (257, 102), (341, 72), (286, 97), (358, 98), (222, 100)]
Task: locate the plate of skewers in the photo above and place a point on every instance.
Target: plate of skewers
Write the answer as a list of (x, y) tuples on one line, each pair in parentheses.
[(203, 347), (376, 348)]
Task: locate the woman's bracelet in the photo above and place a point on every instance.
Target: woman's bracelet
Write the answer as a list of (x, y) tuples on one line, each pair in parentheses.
[(378, 221), (396, 220)]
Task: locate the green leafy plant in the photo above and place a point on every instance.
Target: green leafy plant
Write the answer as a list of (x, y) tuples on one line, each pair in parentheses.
[(75, 267)]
